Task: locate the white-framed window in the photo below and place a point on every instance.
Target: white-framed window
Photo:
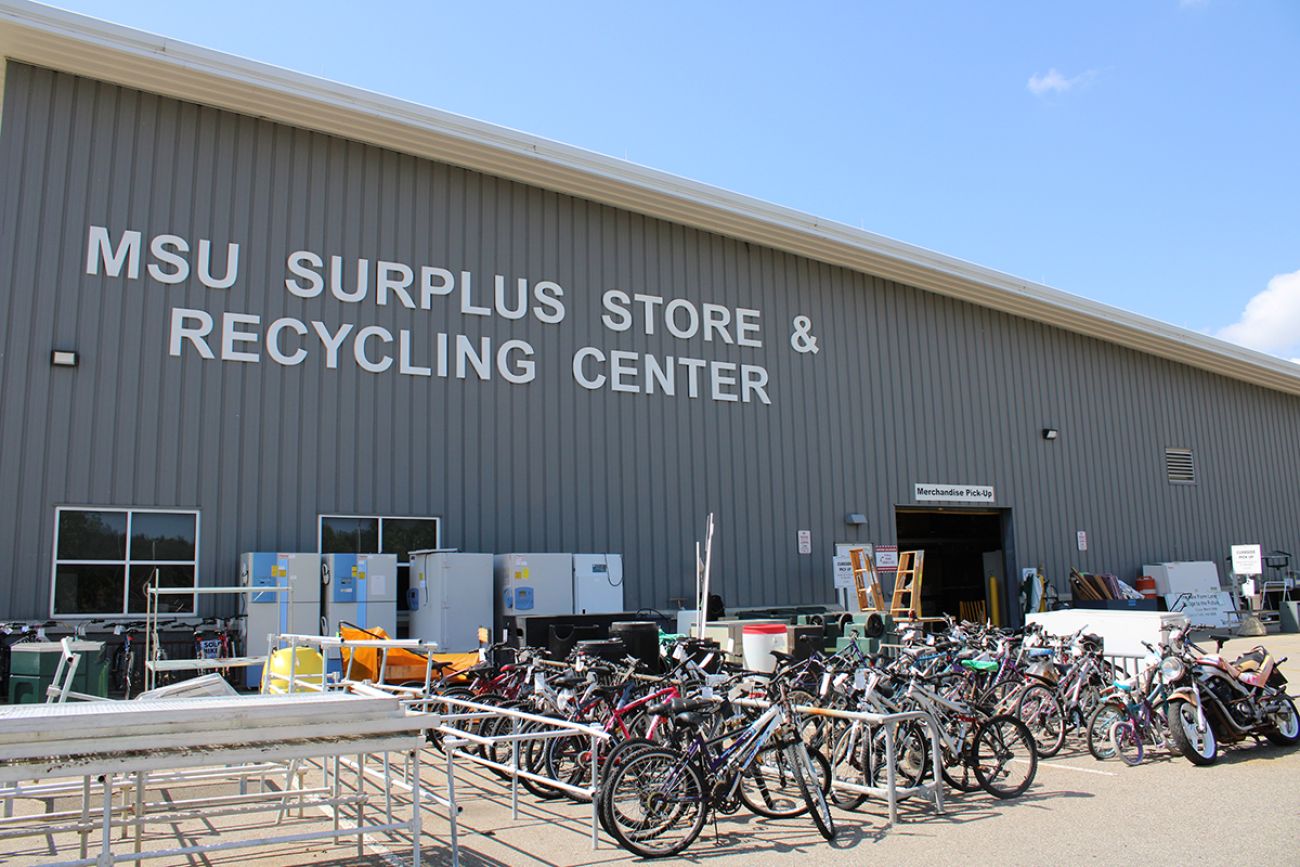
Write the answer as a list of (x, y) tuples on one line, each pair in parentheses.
[(104, 556), (380, 534)]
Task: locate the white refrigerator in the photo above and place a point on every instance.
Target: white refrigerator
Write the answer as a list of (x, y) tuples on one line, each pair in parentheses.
[(528, 584), (360, 589), (597, 583), (450, 597), (296, 612)]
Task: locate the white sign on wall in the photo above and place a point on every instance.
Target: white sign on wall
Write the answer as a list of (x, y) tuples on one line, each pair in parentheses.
[(1247, 560), (1082, 539), (886, 558), (928, 492), (805, 541), (843, 572)]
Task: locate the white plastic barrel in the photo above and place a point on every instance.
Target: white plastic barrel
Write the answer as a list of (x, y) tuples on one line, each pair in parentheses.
[(759, 640)]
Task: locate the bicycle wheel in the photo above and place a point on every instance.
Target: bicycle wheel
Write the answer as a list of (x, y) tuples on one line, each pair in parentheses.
[(568, 760), (1099, 742), (1006, 759), (1040, 710), (996, 695), (911, 757), (958, 767), (800, 760), (769, 787), (532, 758), (433, 735), (617, 758), (849, 753), (497, 727), (1128, 743), (656, 803)]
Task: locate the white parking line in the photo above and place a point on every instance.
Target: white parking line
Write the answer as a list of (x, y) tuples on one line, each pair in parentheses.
[(1070, 768)]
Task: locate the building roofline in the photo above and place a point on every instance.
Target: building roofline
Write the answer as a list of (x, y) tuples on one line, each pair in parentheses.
[(44, 36)]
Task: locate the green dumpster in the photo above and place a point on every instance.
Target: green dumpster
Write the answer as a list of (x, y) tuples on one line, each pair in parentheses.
[(33, 665)]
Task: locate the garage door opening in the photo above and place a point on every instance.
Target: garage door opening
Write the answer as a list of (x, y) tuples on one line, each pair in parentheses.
[(963, 548)]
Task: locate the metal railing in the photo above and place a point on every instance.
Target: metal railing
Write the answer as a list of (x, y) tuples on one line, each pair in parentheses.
[(891, 791), (456, 738)]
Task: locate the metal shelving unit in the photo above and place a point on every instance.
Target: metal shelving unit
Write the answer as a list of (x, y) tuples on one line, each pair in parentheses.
[(152, 665)]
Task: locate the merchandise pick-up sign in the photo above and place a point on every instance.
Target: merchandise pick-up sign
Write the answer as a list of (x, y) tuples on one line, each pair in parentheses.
[(954, 493)]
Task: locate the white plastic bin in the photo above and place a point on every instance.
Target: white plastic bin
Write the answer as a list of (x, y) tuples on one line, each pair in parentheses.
[(759, 640)]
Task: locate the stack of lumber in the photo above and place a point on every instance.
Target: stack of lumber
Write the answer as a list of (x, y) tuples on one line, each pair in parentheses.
[(1094, 587)]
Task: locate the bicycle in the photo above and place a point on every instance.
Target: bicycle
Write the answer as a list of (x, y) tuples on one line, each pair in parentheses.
[(1132, 716), (657, 801), (975, 743), (221, 645), (128, 658)]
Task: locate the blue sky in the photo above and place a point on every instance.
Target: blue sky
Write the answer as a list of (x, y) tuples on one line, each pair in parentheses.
[(1145, 154)]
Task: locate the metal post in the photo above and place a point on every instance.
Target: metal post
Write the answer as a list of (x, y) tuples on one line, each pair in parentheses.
[(451, 744), (416, 818), (388, 791), (338, 790), (514, 768), (595, 840), (85, 816), (361, 804), (139, 807), (934, 751), (106, 841), (891, 773)]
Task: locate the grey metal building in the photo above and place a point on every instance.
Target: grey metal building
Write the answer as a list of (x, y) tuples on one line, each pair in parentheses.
[(243, 309)]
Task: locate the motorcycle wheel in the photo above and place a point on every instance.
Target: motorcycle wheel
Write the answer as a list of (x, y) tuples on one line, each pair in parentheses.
[(1200, 748), (1286, 724)]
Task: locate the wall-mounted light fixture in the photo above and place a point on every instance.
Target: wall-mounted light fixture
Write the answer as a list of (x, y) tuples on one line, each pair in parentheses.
[(856, 519), (1050, 433), (63, 358)]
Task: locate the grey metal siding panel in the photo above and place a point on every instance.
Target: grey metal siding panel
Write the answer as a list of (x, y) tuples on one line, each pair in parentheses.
[(908, 386)]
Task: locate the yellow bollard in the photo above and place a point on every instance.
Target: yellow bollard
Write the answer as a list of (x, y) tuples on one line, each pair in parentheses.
[(995, 610)]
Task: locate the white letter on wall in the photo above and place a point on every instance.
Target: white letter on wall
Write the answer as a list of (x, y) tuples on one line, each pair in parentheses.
[(194, 334), (100, 246)]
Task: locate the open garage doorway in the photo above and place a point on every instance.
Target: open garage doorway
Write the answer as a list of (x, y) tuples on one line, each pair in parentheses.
[(963, 547)]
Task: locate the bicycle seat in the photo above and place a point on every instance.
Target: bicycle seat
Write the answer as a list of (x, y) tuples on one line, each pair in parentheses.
[(980, 664), (569, 680), (678, 706), (609, 691), (689, 719), (781, 656)]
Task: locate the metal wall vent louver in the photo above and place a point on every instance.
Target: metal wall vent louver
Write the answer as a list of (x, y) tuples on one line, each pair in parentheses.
[(1179, 466)]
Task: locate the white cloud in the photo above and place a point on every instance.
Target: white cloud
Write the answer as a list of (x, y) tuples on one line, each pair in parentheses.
[(1271, 320), (1054, 82)]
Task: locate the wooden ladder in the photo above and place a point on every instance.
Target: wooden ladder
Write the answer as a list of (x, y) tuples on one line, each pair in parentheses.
[(906, 604), (866, 581)]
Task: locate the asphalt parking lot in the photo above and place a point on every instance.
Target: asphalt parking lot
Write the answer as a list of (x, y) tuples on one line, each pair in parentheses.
[(1242, 810)]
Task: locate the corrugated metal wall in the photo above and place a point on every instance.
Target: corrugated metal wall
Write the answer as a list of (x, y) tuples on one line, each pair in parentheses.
[(907, 386)]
